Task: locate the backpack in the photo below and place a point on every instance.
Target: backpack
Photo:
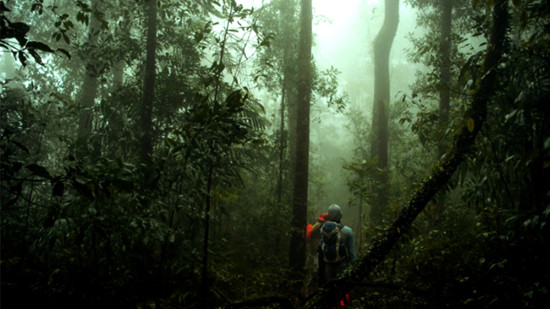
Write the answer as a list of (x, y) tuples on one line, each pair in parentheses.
[(333, 248)]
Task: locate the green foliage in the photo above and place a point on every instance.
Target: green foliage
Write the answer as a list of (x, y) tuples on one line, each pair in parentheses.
[(464, 42), (481, 243), (325, 85), (79, 229), (15, 36)]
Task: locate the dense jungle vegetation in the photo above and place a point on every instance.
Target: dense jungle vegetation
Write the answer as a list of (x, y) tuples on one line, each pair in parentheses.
[(170, 154)]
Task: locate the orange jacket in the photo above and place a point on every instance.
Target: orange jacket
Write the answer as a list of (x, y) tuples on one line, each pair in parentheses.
[(316, 226)]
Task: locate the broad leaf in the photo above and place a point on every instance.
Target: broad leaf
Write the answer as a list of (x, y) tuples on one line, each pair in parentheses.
[(39, 170)]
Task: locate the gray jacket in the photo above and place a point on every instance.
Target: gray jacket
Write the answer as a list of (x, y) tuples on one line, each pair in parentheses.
[(332, 270)]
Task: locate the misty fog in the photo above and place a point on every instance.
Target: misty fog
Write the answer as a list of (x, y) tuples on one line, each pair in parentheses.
[(274, 154)]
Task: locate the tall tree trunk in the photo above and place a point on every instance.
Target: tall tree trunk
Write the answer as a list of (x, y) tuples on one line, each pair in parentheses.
[(118, 74), (88, 91), (464, 142), (360, 214), (288, 12), (118, 66), (205, 287), (292, 120), (146, 112), (445, 10), (379, 144), (446, 7), (299, 207), (282, 143)]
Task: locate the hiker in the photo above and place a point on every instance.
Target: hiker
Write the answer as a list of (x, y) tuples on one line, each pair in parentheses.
[(313, 237), (337, 249), (313, 229)]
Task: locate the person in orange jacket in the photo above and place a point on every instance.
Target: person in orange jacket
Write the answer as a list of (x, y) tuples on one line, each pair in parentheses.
[(313, 237), (311, 229)]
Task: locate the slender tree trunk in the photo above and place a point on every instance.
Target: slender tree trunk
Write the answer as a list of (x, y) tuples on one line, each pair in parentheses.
[(282, 142), (120, 64), (221, 65), (379, 144), (118, 75), (204, 273), (360, 215), (88, 92), (299, 207), (146, 112), (446, 7), (288, 12), (287, 151), (292, 119)]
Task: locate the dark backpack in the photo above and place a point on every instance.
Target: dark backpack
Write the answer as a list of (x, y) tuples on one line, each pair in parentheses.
[(333, 248)]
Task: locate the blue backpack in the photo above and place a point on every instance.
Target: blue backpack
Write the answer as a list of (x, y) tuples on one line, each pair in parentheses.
[(333, 248)]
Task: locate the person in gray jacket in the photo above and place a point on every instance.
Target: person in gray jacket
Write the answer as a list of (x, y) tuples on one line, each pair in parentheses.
[(337, 249)]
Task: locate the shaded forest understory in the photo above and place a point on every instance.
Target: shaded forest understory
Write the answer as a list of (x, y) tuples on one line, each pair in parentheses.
[(157, 154)]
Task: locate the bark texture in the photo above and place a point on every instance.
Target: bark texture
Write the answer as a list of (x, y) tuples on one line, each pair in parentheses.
[(299, 208), (445, 66), (149, 83), (88, 91), (379, 144)]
